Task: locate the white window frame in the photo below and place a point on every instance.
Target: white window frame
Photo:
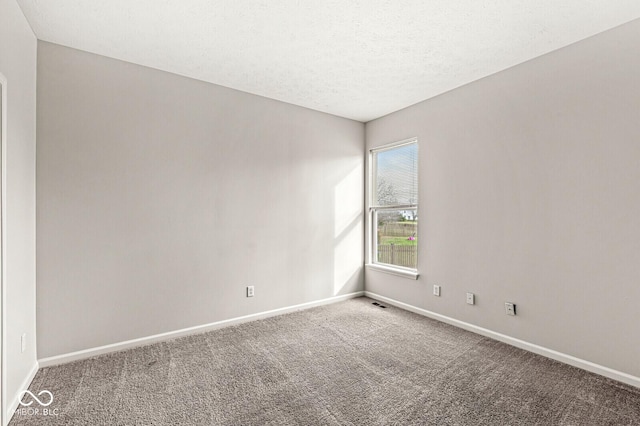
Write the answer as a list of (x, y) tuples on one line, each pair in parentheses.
[(373, 214)]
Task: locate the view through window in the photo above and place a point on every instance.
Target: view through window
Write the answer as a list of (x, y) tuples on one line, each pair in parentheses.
[(394, 205)]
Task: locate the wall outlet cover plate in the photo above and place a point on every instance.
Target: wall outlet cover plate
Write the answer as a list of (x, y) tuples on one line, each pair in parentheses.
[(510, 308)]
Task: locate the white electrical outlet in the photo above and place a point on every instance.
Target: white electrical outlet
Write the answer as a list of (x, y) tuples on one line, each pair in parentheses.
[(436, 290), (510, 308), (250, 291), (23, 342), (471, 299)]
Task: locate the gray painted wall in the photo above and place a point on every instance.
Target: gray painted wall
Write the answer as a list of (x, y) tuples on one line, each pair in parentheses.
[(529, 192), (18, 65), (160, 198)]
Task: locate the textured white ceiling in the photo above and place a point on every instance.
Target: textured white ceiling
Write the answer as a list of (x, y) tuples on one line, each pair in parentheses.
[(359, 59)]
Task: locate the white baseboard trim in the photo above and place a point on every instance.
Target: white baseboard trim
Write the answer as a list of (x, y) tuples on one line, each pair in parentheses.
[(13, 405), (531, 347), (143, 341)]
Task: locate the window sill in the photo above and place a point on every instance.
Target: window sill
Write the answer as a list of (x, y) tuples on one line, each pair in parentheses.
[(394, 271)]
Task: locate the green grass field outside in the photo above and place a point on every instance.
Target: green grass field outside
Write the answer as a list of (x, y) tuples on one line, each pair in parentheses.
[(398, 241)]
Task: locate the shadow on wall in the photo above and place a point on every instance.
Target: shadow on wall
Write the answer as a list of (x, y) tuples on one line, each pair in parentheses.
[(348, 231)]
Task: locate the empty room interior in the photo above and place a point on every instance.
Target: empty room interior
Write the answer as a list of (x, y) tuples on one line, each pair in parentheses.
[(320, 213)]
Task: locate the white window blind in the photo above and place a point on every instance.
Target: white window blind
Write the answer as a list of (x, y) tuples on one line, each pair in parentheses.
[(396, 176)]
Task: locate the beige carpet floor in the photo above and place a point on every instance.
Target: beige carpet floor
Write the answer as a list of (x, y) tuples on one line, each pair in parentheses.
[(350, 363)]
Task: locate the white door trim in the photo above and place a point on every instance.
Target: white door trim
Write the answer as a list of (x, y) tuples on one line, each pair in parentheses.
[(3, 245)]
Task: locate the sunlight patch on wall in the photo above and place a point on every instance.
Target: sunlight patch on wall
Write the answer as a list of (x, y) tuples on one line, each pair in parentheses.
[(348, 200), (348, 257), (348, 228)]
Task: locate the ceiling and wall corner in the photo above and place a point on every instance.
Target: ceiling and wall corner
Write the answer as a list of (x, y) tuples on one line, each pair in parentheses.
[(357, 59)]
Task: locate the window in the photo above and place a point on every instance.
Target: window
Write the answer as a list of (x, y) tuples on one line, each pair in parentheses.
[(394, 207)]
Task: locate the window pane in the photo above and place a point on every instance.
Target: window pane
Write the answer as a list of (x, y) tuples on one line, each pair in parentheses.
[(396, 175), (397, 237)]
